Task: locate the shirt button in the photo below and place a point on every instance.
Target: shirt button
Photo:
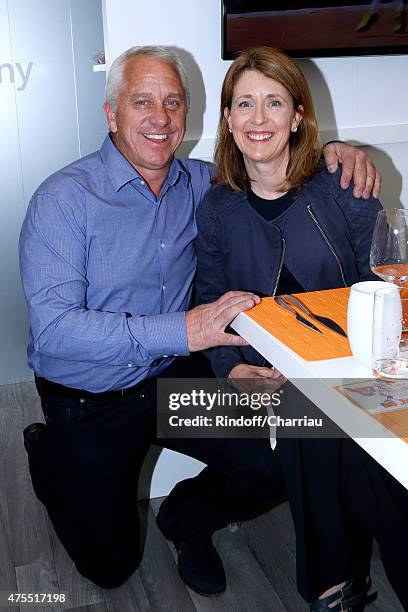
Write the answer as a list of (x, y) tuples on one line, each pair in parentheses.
[(142, 182), (164, 288), (130, 365), (162, 244)]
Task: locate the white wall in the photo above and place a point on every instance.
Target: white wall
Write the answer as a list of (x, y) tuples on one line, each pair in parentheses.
[(360, 99), (364, 99), (45, 123)]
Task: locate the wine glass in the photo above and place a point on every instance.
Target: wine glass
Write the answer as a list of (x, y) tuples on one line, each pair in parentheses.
[(389, 246)]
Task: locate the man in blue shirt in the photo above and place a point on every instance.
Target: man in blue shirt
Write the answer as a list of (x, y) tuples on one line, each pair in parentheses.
[(107, 264)]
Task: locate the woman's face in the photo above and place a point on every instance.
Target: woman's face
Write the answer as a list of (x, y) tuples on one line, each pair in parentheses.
[(261, 118)]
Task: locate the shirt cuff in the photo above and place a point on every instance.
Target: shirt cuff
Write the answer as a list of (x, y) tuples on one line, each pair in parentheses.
[(164, 334)]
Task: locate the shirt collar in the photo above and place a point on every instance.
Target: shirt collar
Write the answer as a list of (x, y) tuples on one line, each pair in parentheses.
[(121, 172)]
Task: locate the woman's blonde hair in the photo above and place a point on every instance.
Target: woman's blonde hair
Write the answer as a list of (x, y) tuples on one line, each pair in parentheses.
[(304, 144)]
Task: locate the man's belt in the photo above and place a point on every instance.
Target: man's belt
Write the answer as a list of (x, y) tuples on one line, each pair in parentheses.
[(47, 386)]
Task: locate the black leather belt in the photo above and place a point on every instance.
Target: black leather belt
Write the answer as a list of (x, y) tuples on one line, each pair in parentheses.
[(47, 386)]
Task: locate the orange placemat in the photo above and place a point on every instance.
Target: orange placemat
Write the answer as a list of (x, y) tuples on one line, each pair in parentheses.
[(397, 422), (308, 344)]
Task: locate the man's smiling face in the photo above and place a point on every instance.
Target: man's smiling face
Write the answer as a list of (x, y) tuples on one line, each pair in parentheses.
[(150, 118)]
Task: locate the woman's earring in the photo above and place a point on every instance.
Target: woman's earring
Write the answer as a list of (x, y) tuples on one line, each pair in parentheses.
[(230, 131), (294, 129)]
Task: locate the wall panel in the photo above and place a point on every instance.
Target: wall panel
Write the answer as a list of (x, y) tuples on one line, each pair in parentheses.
[(41, 131)]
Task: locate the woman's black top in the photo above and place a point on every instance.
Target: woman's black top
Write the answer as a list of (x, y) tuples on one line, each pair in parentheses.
[(270, 210)]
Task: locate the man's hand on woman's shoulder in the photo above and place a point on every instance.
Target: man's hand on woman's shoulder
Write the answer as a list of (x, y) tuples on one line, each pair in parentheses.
[(356, 165)]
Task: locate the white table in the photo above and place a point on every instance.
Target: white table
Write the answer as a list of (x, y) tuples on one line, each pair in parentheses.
[(317, 380)]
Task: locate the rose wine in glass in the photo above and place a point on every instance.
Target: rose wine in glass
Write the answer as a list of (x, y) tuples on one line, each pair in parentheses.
[(389, 246)]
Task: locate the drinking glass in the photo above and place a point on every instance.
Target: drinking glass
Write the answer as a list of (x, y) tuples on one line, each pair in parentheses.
[(389, 246), (360, 319), (390, 340)]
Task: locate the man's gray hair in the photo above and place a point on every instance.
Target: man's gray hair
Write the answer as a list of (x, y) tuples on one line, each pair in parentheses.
[(114, 80)]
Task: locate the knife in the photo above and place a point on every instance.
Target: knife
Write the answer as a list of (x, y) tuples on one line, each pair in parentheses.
[(329, 323), (299, 317)]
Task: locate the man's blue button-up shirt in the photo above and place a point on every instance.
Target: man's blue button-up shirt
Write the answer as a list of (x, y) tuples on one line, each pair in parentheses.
[(107, 270)]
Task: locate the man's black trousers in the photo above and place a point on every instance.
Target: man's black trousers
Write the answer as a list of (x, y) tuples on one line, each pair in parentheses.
[(86, 471)]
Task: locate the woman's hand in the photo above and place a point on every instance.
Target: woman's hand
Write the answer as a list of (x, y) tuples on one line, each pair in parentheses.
[(356, 164), (255, 379)]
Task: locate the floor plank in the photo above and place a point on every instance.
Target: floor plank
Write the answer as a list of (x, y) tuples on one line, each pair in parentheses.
[(282, 524), (98, 607), (274, 557), (248, 588), (247, 584), (8, 583), (130, 597), (159, 575), (81, 592), (39, 577), (7, 571), (28, 531)]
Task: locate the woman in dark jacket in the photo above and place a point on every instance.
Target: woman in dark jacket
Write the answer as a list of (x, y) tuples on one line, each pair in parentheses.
[(276, 222)]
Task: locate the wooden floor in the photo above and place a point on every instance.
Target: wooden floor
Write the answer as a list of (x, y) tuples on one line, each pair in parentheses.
[(258, 558)]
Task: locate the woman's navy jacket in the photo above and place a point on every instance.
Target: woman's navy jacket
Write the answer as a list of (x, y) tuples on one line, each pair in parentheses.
[(324, 238)]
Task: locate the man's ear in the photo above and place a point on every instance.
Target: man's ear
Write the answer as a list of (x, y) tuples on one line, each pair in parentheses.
[(110, 117)]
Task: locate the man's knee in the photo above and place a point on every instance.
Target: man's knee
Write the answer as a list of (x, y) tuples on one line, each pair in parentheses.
[(261, 468), (108, 575), (260, 481)]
